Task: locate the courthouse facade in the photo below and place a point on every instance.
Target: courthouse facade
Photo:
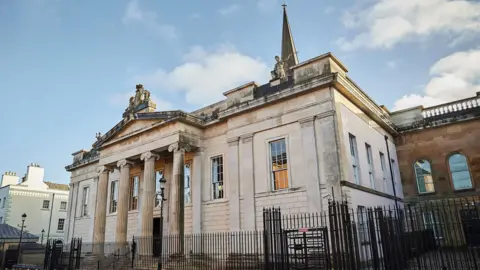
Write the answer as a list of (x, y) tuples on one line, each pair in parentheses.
[(307, 136)]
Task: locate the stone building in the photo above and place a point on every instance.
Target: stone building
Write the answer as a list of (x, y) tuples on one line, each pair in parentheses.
[(307, 136), (438, 149), (44, 203)]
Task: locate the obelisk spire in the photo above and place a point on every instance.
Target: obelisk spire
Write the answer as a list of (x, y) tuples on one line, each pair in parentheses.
[(289, 53)]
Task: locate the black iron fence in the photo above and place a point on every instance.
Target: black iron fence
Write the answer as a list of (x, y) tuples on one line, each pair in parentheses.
[(425, 235)]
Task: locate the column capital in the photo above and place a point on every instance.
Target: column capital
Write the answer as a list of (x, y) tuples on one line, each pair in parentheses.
[(307, 121), (246, 138), (148, 155), (124, 162), (233, 141), (103, 169), (179, 146)]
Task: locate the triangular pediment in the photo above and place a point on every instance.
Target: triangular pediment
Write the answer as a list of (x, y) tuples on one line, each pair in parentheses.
[(133, 127)]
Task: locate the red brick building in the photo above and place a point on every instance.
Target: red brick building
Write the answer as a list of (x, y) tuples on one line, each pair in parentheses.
[(438, 150)]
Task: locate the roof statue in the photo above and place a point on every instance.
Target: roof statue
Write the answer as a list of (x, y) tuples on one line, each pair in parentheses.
[(141, 102), (288, 57)]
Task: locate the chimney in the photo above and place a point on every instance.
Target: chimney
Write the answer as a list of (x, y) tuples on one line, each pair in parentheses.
[(9, 178), (34, 176)]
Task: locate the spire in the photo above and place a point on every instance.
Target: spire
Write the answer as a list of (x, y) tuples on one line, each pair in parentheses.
[(288, 46)]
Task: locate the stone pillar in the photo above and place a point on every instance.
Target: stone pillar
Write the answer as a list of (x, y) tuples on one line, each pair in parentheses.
[(233, 184), (122, 203), (100, 211), (310, 162), (147, 205), (197, 191), (248, 182), (70, 213), (177, 204)]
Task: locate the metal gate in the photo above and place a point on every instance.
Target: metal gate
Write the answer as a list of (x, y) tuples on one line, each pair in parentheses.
[(307, 248)]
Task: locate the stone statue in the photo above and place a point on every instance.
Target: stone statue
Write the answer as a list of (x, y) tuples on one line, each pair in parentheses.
[(278, 71), (141, 97)]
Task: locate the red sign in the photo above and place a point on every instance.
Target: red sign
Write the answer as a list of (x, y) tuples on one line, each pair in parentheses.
[(303, 230)]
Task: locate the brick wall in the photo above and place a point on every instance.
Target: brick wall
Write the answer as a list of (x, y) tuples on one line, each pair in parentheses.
[(435, 145)]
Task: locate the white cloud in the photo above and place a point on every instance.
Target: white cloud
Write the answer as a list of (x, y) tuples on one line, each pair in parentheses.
[(456, 76), (386, 23), (392, 64), (134, 14), (204, 75), (228, 10)]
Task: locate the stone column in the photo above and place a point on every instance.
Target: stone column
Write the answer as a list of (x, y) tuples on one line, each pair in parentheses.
[(310, 162), (100, 211), (248, 182), (233, 184), (197, 191), (176, 206), (148, 201), (122, 203)]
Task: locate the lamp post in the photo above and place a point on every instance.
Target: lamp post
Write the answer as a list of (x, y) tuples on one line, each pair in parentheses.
[(24, 216), (162, 182), (41, 241)]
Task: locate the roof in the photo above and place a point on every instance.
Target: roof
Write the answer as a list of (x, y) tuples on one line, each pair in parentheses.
[(57, 186), (9, 232)]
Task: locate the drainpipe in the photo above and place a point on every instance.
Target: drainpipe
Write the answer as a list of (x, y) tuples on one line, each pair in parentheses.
[(51, 211), (391, 172)]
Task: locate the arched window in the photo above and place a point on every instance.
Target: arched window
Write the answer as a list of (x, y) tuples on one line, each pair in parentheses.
[(460, 172), (423, 175)]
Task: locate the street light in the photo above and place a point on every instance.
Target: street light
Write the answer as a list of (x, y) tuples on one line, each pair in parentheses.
[(41, 241), (162, 183), (24, 216)]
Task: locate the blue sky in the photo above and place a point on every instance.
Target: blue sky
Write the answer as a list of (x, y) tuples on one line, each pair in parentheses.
[(67, 68)]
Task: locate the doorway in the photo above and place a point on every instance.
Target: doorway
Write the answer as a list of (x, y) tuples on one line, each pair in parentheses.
[(156, 236)]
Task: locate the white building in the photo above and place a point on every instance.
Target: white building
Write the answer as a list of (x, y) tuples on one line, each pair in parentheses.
[(44, 203), (308, 135)]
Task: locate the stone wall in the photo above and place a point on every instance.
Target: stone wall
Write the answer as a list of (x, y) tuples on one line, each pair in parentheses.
[(435, 145)]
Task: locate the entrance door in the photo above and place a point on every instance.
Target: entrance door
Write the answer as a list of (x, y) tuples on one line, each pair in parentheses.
[(156, 236)]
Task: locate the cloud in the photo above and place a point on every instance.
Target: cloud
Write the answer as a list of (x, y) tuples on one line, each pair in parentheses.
[(205, 75), (385, 23), (228, 10), (134, 14), (454, 77), (392, 64)]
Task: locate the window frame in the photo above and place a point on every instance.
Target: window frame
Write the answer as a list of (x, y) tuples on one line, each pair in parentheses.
[(187, 199), (416, 177), (157, 186), (4, 201), (354, 162), (43, 205), (383, 166), (467, 163), (270, 160), (435, 225), (371, 166), (134, 200), (63, 224), (363, 226), (213, 184), (63, 203), (85, 201), (112, 201)]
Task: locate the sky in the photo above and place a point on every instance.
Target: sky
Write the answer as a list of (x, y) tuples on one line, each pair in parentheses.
[(67, 68)]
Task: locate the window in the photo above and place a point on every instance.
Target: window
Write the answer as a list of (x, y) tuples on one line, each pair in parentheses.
[(61, 223), (63, 205), (362, 224), (86, 191), (423, 175), (134, 192), (354, 157), (371, 176), (187, 181), (1, 220), (279, 167), (431, 222), (460, 172), (217, 177), (46, 204), (113, 196), (158, 176), (4, 200), (384, 171)]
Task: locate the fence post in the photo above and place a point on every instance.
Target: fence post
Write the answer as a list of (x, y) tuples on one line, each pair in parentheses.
[(134, 247)]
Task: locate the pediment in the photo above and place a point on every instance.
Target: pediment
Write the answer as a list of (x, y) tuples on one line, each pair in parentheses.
[(134, 126)]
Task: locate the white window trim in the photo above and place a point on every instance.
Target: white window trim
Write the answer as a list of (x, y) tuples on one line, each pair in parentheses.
[(269, 163), (354, 159), (83, 203), (63, 226), (210, 182), (435, 223), (110, 195), (371, 166), (190, 163), (155, 205), (383, 167), (468, 170)]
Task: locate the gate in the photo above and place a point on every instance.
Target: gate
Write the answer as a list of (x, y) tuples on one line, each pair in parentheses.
[(75, 253), (307, 248)]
